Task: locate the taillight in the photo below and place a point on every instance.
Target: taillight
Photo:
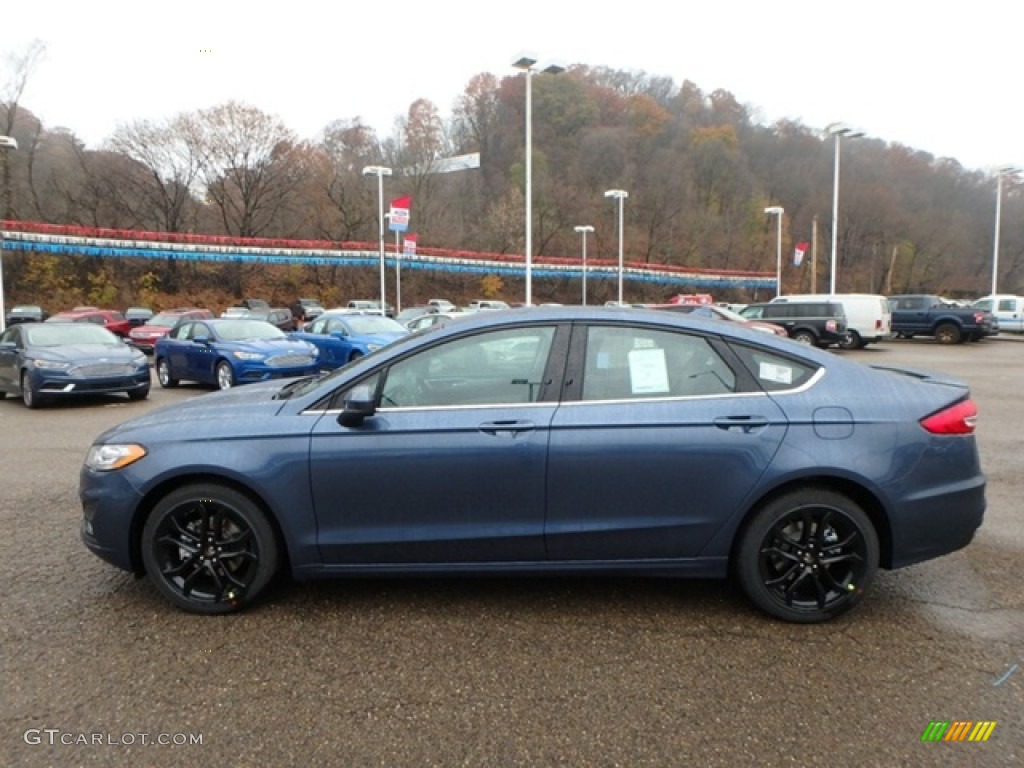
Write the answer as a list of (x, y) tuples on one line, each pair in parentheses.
[(958, 419)]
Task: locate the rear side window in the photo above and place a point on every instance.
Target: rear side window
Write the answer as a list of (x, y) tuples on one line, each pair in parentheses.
[(775, 372)]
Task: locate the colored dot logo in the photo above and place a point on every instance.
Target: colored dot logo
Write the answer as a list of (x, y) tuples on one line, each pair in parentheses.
[(206, 50)]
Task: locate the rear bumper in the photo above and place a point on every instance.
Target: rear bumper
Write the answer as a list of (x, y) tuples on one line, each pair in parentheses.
[(938, 523)]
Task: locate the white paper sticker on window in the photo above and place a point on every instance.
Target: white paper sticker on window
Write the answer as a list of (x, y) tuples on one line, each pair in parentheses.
[(648, 373), (780, 374)]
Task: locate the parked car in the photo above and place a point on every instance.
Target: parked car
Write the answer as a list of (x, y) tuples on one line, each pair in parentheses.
[(868, 316), (818, 323), (434, 320), (922, 314), (409, 314), (442, 305), (508, 443), (254, 303), (235, 312), (1008, 311), (717, 312), (110, 319), (145, 336), (279, 317), (342, 337), (47, 361), (226, 352), (312, 308), (25, 313), (480, 304), (369, 305), (137, 316)]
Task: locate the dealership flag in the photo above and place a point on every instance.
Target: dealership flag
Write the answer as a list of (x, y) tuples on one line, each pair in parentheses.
[(798, 254), (410, 244), (398, 218)]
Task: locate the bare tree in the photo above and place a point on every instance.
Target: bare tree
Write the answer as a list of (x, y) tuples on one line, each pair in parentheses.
[(21, 67)]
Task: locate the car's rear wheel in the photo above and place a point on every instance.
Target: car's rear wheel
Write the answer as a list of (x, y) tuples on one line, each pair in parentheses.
[(209, 549), (851, 340), (225, 375), (163, 374), (805, 337), (29, 394), (807, 556), (947, 333)]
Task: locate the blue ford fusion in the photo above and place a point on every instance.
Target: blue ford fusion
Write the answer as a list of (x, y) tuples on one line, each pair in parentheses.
[(229, 352), (558, 441), (41, 362), (343, 336)]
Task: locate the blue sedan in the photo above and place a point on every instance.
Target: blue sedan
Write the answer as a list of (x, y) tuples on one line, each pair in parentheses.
[(41, 362), (344, 336), (226, 352), (555, 441)]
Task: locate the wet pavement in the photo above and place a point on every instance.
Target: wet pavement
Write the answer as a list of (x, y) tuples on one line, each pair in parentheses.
[(499, 672)]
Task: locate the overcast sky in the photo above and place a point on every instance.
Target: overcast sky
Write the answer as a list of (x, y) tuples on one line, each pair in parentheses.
[(905, 71)]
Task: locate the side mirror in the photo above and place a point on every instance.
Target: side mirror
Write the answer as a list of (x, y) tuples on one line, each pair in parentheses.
[(359, 405)]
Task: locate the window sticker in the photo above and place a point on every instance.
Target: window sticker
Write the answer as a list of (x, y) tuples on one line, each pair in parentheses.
[(648, 373), (780, 374)]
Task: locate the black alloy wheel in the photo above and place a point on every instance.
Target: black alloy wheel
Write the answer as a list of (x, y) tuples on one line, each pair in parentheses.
[(209, 549), (808, 556)]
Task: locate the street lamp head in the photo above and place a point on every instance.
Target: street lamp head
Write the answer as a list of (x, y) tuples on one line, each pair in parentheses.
[(524, 60), (1009, 170), (553, 68), (842, 129), (376, 170), (618, 193), (775, 210), (584, 228), (8, 142)]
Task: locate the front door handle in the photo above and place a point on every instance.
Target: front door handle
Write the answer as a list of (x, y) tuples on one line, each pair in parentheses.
[(507, 428)]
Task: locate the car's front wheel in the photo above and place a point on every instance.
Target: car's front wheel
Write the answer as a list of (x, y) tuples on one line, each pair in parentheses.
[(807, 556), (29, 394), (209, 549), (163, 374), (138, 394), (225, 375)]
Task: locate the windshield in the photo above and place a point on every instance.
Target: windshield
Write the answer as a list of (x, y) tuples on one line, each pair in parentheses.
[(248, 330), (72, 333), (361, 324), (161, 319)]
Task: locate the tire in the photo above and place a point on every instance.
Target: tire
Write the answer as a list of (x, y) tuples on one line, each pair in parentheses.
[(948, 333), (163, 374), (807, 556), (356, 354), (805, 337), (138, 394), (183, 545), (852, 340), (29, 395), (225, 375)]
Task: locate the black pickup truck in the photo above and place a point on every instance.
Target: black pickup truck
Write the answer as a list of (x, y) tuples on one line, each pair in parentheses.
[(922, 314)]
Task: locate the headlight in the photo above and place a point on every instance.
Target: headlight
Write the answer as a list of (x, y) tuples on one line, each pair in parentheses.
[(373, 347), (248, 355), (52, 365), (104, 458)]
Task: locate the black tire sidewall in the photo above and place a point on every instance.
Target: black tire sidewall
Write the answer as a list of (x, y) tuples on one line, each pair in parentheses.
[(246, 509)]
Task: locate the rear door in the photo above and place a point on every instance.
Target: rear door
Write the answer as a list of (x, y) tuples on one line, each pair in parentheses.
[(659, 440)]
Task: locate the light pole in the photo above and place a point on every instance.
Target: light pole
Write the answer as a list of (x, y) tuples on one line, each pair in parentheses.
[(776, 210), (1007, 171), (526, 62), (380, 172), (583, 230), (6, 143), (838, 130), (620, 195)]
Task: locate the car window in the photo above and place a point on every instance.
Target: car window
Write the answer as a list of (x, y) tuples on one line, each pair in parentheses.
[(775, 372), (490, 368), (634, 363)]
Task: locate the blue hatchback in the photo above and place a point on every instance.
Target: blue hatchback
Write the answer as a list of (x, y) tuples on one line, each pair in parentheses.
[(227, 352), (344, 336)]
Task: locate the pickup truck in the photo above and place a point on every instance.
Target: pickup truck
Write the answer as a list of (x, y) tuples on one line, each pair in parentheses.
[(928, 315)]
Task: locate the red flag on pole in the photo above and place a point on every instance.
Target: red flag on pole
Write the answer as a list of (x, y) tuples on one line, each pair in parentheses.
[(398, 217), (798, 253)]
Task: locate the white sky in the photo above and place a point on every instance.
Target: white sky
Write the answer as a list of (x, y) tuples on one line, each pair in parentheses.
[(938, 77)]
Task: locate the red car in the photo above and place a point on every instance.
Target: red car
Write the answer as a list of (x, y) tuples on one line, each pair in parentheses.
[(715, 312), (110, 319), (145, 336)]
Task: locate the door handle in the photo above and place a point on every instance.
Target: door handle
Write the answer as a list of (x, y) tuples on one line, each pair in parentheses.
[(744, 424), (507, 428)]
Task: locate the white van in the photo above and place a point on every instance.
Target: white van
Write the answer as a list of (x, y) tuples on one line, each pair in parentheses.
[(1008, 309), (868, 317)]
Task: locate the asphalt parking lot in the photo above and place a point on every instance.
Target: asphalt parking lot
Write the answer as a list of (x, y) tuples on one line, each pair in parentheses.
[(97, 668)]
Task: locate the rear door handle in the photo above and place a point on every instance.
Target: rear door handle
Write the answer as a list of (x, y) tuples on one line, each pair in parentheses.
[(745, 424), (507, 428)]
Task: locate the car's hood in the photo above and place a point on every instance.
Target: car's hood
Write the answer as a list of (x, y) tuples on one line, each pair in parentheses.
[(239, 404), (269, 346), (93, 353), (378, 338)]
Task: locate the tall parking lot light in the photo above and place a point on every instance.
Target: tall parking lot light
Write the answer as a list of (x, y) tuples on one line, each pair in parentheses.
[(1007, 171), (6, 143), (838, 130), (527, 63), (620, 195), (776, 210), (380, 172), (583, 230)]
